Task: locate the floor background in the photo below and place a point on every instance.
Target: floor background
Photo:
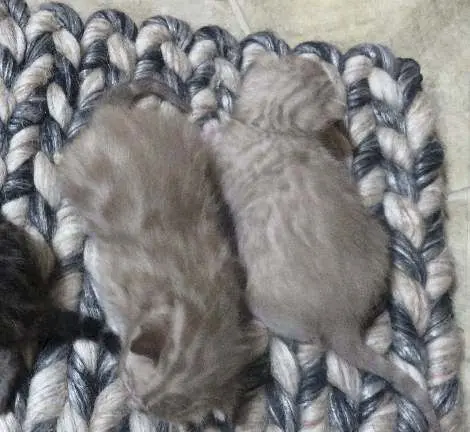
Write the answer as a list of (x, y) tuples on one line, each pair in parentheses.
[(435, 33)]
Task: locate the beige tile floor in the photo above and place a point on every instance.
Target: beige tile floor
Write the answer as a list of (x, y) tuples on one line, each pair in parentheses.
[(435, 33)]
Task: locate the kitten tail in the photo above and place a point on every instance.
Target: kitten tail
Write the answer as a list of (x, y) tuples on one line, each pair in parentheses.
[(358, 354)]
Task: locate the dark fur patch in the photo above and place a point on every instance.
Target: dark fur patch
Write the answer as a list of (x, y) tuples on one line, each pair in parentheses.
[(28, 313)]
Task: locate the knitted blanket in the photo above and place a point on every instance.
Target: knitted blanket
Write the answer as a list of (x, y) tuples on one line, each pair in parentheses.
[(53, 69)]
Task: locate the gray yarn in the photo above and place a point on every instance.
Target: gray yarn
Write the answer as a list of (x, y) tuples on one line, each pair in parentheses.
[(88, 369)]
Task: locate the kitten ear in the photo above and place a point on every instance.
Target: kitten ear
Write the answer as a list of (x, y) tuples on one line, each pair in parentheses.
[(150, 342), (146, 345), (335, 109)]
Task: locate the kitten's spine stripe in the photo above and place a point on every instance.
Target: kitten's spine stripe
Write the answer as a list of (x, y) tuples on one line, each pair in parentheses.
[(282, 394), (204, 67)]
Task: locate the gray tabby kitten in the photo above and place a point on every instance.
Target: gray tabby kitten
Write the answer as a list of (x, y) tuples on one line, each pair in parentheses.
[(165, 274), (316, 261)]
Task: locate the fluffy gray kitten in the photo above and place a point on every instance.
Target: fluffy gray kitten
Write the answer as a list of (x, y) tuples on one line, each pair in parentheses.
[(316, 260), (165, 273)]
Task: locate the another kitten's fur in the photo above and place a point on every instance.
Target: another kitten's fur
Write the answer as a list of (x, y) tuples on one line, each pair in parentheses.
[(316, 261), (28, 314), (10, 364), (165, 274)]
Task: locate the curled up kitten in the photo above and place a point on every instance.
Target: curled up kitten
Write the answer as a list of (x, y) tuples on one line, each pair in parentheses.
[(164, 273), (316, 261), (28, 314)]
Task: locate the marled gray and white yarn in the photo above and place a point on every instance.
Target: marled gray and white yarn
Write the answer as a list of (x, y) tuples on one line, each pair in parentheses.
[(53, 68)]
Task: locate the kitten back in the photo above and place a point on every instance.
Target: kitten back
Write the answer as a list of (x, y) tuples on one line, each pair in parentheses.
[(114, 170), (316, 260)]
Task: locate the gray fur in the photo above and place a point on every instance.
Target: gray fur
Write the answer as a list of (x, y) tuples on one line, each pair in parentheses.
[(165, 274), (316, 260)]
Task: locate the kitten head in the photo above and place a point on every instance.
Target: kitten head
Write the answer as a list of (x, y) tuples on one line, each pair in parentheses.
[(185, 362), (291, 95)]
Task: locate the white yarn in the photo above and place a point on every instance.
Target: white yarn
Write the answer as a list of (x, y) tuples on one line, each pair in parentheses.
[(23, 145), (9, 423), (372, 187), (385, 88), (394, 147), (12, 37), (432, 197), (361, 125), (45, 179), (420, 121), (122, 54), (202, 51), (440, 274), (96, 29), (408, 293), (343, 376), (36, 75), (68, 46), (47, 393), (284, 367), (70, 421), (110, 408), (59, 107), (41, 22), (93, 82), (403, 215), (226, 73), (151, 35)]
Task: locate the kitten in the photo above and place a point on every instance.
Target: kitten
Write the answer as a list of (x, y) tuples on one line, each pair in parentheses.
[(316, 261), (28, 314), (165, 274)]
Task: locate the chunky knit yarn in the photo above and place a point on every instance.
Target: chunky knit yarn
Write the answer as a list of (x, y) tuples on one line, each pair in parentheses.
[(53, 69)]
